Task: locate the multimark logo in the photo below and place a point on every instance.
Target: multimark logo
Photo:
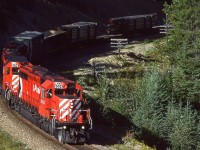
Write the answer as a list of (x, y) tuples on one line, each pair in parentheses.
[(36, 89)]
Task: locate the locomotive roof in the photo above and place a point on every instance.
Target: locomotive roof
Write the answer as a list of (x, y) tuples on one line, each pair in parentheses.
[(45, 73), (28, 35)]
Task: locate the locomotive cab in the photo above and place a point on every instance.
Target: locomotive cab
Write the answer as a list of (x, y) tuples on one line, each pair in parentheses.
[(70, 121)]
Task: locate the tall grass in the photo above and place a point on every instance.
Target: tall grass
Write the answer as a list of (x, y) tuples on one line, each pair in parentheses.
[(9, 143)]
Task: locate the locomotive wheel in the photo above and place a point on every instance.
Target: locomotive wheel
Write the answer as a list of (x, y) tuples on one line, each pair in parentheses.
[(12, 102), (5, 94), (87, 135), (67, 137), (17, 107), (74, 136), (61, 136), (8, 95), (51, 131)]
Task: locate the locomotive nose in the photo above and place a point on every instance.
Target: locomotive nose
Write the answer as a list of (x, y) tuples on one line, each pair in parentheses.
[(69, 109)]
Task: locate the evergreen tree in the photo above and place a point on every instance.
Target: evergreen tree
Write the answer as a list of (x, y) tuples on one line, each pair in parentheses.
[(184, 49), (151, 97), (181, 127)]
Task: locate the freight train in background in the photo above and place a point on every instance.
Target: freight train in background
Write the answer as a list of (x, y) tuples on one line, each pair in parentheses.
[(48, 100), (36, 45)]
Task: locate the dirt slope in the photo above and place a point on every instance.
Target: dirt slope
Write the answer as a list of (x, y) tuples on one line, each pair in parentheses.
[(20, 15)]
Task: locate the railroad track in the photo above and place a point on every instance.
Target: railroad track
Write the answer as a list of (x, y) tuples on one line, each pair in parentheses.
[(37, 130)]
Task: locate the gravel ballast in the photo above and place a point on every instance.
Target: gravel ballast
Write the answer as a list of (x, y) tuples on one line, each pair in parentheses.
[(24, 132)]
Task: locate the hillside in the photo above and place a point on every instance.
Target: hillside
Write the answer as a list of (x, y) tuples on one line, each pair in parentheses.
[(20, 15)]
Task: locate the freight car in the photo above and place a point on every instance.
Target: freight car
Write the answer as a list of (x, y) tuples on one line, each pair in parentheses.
[(36, 45), (80, 31), (48, 100), (131, 25), (29, 44)]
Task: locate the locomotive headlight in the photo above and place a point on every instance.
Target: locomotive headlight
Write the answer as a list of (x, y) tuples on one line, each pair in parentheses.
[(64, 127), (83, 127)]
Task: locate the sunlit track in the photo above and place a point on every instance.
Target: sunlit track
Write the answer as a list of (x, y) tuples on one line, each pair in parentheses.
[(42, 133), (35, 128)]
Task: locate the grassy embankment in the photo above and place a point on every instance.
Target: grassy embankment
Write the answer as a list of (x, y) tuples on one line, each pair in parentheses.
[(122, 73), (8, 143)]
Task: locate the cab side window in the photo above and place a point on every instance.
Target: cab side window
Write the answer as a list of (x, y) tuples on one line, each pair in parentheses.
[(7, 70), (49, 93)]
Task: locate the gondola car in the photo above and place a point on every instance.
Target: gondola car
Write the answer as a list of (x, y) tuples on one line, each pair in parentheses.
[(132, 25)]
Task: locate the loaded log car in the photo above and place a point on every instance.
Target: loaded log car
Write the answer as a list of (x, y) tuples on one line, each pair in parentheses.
[(80, 31), (29, 44), (132, 25), (46, 99), (36, 45)]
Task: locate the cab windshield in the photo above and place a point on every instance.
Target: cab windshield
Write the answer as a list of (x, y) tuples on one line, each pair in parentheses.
[(15, 71), (68, 93)]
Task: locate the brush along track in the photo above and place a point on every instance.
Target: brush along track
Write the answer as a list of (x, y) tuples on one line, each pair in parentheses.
[(84, 147), (25, 132)]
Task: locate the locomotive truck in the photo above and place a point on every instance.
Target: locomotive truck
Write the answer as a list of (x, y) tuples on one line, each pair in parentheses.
[(46, 99)]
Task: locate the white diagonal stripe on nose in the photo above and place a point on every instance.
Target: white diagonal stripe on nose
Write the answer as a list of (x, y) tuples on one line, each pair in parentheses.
[(63, 101), (15, 82), (64, 107), (65, 114), (14, 76), (15, 86)]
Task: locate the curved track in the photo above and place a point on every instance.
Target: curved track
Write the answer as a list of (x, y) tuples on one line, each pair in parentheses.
[(24, 131)]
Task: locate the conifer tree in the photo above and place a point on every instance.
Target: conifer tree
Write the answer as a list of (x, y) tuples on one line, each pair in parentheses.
[(181, 127), (151, 97), (184, 49)]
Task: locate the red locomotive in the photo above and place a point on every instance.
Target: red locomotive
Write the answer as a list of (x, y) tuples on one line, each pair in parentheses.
[(46, 99)]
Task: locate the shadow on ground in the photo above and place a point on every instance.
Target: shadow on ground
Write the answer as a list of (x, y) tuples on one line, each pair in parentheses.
[(103, 133)]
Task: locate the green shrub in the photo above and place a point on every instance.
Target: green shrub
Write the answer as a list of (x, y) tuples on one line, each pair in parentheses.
[(8, 143)]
